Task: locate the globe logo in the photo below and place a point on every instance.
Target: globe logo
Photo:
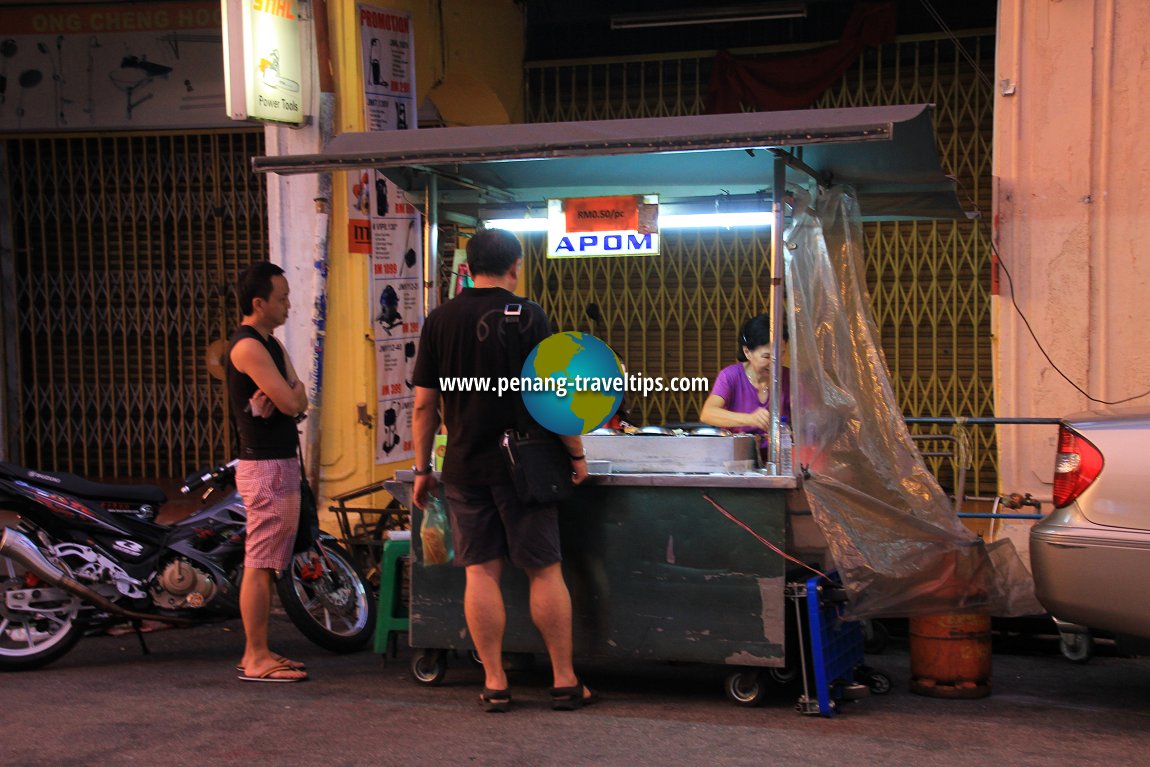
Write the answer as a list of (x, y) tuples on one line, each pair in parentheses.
[(576, 383)]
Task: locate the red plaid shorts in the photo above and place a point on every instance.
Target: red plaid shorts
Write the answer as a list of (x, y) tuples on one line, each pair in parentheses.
[(270, 489)]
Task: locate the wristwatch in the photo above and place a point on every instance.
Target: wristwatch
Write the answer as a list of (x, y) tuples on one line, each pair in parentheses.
[(420, 472)]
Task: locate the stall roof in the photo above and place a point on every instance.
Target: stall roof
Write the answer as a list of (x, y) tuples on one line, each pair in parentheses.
[(887, 153)]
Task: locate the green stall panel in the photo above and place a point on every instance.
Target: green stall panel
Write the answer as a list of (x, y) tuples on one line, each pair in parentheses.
[(655, 573)]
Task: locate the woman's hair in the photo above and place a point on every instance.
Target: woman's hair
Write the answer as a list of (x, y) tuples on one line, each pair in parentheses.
[(755, 332)]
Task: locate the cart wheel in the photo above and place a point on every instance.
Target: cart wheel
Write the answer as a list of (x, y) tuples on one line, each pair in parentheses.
[(1078, 648), (473, 656), (784, 675), (879, 683), (746, 688), (429, 666)]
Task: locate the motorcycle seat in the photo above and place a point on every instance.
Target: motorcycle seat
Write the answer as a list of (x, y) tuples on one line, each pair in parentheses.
[(70, 483)]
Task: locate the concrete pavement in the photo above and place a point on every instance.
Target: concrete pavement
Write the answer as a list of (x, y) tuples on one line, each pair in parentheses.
[(105, 703)]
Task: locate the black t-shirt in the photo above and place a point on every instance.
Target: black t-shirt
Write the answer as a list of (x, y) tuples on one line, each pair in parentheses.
[(469, 337), (261, 439)]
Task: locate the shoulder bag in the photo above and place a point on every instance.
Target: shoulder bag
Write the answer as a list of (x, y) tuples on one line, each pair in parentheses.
[(536, 458), (308, 531)]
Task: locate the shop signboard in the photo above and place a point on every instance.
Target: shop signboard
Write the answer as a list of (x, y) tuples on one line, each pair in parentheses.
[(98, 66), (621, 225), (263, 63)]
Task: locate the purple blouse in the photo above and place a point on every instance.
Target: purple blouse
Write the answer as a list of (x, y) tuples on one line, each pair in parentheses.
[(740, 396)]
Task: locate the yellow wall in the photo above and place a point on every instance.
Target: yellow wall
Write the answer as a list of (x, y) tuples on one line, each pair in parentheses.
[(485, 45)]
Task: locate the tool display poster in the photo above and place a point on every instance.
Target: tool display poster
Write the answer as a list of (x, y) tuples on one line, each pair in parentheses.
[(382, 224), (107, 67), (388, 49), (396, 302)]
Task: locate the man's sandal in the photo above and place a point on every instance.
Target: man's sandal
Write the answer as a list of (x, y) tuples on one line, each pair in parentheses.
[(295, 665), (572, 698), (495, 701)]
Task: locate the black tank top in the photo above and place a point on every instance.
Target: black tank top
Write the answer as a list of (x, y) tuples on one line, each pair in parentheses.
[(261, 439)]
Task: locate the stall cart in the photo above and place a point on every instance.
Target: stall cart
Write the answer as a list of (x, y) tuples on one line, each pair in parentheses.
[(655, 572)]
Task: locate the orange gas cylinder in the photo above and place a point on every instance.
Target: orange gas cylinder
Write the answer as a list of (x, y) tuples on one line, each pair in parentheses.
[(950, 655)]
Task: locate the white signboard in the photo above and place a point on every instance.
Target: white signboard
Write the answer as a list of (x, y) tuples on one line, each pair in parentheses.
[(111, 67), (621, 225), (263, 63)]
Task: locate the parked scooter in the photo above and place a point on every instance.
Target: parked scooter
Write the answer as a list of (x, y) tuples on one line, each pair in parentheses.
[(86, 555)]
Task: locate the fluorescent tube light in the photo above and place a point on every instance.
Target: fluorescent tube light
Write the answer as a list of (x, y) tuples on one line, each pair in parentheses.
[(517, 224), (714, 220), (666, 221), (720, 15)]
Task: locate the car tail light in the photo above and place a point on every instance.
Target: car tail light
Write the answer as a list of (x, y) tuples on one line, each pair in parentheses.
[(1076, 467)]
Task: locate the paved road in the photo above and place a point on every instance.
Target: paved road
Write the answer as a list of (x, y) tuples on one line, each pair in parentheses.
[(105, 703)]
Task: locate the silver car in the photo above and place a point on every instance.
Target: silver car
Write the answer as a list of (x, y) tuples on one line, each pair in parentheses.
[(1091, 556)]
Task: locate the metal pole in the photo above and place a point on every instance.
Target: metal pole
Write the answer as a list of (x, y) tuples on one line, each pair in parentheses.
[(431, 254), (981, 421), (776, 307)]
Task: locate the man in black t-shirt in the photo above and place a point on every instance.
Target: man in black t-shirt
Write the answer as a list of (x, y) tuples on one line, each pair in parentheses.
[(477, 336)]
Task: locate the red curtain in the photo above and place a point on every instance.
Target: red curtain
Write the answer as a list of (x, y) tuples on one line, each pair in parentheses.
[(795, 81)]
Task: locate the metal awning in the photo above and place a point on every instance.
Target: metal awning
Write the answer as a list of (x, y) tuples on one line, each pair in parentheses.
[(887, 154)]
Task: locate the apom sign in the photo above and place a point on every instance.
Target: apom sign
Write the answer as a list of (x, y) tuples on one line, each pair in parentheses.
[(262, 61), (625, 225)]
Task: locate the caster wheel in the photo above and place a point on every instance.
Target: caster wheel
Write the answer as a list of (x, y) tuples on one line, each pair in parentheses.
[(879, 683), (1077, 648), (429, 666), (784, 675), (745, 688)]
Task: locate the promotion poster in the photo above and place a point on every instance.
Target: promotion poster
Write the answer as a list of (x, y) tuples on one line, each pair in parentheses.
[(382, 224), (111, 67), (387, 45), (396, 301)]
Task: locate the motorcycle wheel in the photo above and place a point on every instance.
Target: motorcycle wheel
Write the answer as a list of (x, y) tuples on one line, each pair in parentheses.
[(327, 598), (44, 632)]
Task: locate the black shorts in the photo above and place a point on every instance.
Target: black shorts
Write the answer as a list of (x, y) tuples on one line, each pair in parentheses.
[(489, 522)]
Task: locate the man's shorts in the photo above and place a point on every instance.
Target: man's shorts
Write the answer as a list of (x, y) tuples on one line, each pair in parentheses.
[(489, 522), (270, 490)]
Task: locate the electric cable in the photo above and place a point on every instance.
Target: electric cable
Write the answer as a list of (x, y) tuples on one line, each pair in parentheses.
[(1026, 322), (761, 539), (934, 14)]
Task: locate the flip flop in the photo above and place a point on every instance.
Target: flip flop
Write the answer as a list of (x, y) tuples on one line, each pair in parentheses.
[(297, 665), (270, 676), (495, 701), (572, 698)]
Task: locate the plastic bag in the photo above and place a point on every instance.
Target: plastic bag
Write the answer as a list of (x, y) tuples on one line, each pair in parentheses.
[(435, 534)]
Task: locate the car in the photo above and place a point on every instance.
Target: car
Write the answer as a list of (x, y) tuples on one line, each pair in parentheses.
[(1090, 556)]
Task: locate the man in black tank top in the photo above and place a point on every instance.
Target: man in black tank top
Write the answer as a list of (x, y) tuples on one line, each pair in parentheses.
[(266, 398)]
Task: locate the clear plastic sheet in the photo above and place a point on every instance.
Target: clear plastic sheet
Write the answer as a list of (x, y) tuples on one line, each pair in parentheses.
[(891, 530)]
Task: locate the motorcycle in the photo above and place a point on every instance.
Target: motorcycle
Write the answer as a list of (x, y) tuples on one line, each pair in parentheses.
[(86, 555)]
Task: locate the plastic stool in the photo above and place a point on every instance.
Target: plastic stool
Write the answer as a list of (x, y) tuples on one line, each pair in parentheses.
[(390, 583)]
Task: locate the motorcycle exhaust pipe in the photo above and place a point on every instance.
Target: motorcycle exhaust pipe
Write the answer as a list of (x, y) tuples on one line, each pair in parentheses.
[(15, 545)]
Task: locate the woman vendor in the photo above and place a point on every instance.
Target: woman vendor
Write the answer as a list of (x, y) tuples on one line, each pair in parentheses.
[(740, 398)]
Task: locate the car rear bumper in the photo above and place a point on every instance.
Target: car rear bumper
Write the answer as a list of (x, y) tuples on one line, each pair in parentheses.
[(1093, 576)]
